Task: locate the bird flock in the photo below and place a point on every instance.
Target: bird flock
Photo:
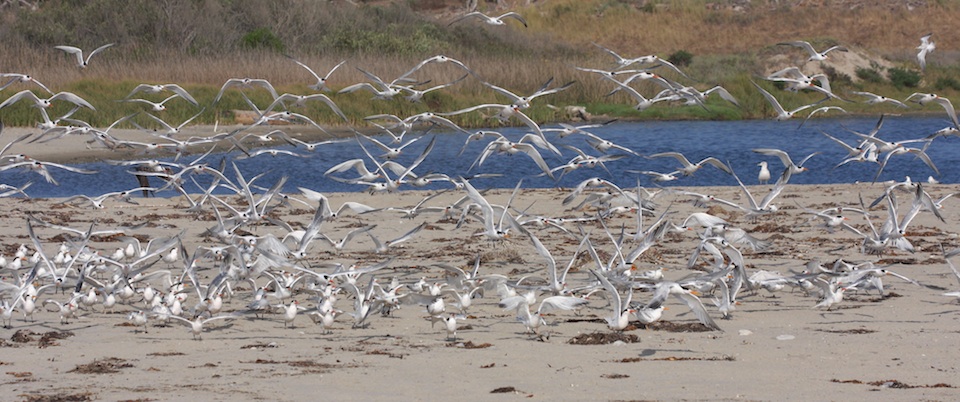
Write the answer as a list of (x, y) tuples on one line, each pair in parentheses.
[(258, 261)]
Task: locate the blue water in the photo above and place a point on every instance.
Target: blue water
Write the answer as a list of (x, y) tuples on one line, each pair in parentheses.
[(727, 140)]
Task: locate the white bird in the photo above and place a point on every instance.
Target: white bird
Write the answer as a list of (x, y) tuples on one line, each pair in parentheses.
[(667, 288), (41, 168), (492, 230), (47, 102), (798, 81), (290, 313), (170, 130), (623, 62), (21, 78), (382, 247), (450, 324), (923, 99), (832, 293), (81, 62), (246, 83), (386, 91), (301, 100), (658, 177), (764, 176), (621, 309), (438, 59), (814, 54), (523, 102), (689, 168), (782, 114), (321, 84), (339, 245), (531, 321), (498, 20), (154, 106), (956, 274), (417, 94), (754, 209), (792, 168), (139, 318), (821, 109), (196, 326), (873, 99), (831, 218), (158, 88), (926, 46)]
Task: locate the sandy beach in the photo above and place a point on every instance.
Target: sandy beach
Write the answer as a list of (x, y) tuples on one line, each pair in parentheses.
[(775, 346)]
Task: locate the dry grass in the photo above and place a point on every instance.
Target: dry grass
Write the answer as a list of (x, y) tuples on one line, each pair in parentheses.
[(719, 27), (559, 37)]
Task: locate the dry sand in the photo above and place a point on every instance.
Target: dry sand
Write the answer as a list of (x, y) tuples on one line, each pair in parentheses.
[(899, 346)]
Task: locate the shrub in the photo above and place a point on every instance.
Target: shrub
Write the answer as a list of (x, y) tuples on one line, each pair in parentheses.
[(947, 83), (836, 78), (869, 75), (901, 77), (262, 38), (681, 58)]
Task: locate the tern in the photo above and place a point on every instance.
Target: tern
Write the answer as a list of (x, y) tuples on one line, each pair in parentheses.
[(154, 106), (783, 114), (689, 297), (301, 100), (158, 88), (923, 99), (926, 46), (814, 54), (245, 83), (21, 78), (46, 103), (523, 102), (196, 325), (321, 84), (438, 59), (797, 81), (40, 168), (620, 318), (956, 274), (688, 169), (873, 99), (382, 247), (81, 62), (754, 209), (764, 175), (792, 168), (623, 62), (498, 20)]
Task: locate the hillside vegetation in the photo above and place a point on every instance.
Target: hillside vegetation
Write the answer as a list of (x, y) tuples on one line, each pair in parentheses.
[(202, 43)]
